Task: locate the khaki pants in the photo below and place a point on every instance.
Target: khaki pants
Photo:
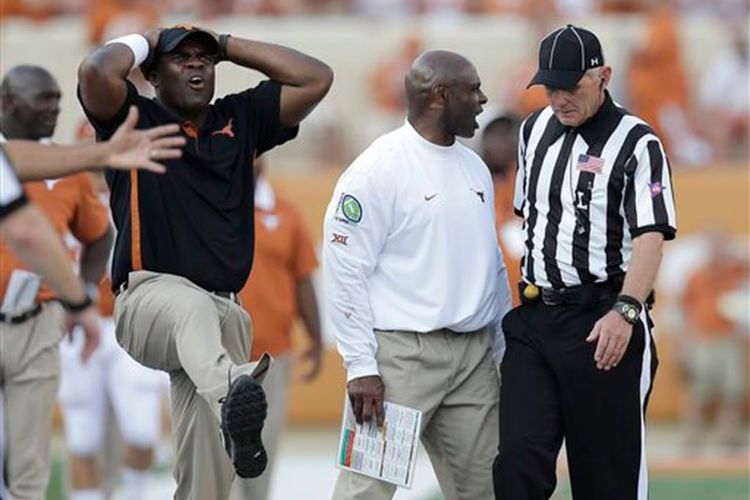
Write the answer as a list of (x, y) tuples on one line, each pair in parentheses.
[(717, 368), (452, 379), (203, 341), (276, 385), (29, 367)]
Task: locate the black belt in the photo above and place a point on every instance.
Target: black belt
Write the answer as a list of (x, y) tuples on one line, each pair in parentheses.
[(233, 296), (15, 319), (590, 293)]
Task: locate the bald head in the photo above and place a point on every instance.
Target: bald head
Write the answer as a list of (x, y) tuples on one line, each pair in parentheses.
[(432, 68), (25, 79), (30, 103), (443, 94)]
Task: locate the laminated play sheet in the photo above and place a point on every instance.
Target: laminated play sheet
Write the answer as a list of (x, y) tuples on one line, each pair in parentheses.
[(389, 453)]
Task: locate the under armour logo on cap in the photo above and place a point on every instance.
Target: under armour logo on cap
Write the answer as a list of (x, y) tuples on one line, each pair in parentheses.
[(565, 55)]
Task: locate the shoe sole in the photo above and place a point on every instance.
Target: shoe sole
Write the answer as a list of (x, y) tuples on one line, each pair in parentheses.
[(242, 414)]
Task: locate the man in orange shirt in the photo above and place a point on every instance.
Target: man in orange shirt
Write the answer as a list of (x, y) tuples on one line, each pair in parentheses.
[(714, 347), (499, 147), (31, 315), (279, 289)]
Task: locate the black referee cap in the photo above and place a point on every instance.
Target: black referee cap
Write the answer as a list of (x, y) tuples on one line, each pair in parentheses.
[(565, 55)]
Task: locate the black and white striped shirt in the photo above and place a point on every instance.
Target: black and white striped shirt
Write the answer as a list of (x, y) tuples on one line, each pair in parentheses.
[(586, 192), (11, 191)]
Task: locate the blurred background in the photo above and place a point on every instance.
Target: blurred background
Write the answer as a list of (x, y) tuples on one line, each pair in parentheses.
[(681, 65)]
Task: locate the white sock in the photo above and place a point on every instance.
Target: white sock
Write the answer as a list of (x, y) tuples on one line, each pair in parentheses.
[(86, 495), (134, 483)]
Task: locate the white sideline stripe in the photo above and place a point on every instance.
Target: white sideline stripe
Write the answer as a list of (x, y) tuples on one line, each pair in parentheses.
[(645, 385)]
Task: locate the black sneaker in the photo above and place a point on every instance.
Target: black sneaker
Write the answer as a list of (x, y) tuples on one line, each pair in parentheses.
[(243, 411)]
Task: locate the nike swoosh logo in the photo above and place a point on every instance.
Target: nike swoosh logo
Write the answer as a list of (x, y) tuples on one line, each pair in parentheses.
[(428, 198)]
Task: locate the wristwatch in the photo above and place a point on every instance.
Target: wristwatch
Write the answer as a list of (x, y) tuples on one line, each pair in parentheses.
[(222, 55), (629, 308)]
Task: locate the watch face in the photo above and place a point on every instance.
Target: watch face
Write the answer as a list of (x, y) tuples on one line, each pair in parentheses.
[(631, 313)]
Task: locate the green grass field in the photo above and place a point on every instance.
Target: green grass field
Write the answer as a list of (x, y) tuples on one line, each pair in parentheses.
[(688, 488), (729, 487), (682, 488)]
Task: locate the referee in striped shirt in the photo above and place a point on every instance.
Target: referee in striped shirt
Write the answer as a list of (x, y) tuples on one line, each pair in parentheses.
[(594, 189)]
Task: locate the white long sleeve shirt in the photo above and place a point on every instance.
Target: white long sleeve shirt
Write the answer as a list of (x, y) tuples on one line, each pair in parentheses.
[(410, 244)]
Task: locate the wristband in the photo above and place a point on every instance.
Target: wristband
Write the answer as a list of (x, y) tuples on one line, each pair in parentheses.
[(137, 44), (222, 55), (76, 307), (630, 300)]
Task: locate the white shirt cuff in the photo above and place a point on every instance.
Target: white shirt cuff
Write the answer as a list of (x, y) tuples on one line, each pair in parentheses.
[(362, 368)]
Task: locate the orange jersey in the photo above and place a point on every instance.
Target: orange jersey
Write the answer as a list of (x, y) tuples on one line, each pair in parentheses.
[(284, 254), (73, 207), (103, 14), (106, 298), (701, 299), (504, 213), (656, 77)]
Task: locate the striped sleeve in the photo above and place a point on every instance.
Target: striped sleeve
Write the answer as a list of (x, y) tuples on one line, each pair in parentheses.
[(11, 191), (649, 197)]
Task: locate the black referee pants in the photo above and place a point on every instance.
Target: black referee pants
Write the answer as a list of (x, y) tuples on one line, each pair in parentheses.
[(551, 390)]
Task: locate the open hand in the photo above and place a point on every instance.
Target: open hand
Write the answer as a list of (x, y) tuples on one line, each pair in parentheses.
[(131, 148)]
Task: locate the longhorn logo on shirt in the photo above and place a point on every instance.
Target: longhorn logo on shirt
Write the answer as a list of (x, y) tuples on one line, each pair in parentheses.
[(51, 183), (227, 130), (479, 193)]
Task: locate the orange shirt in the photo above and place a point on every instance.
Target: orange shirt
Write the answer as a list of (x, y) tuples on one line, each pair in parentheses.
[(526, 101), (103, 14), (284, 254), (71, 206), (106, 298), (656, 76), (704, 290), (504, 213), (21, 8)]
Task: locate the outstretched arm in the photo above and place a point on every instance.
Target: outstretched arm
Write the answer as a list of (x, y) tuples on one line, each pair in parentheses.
[(128, 148)]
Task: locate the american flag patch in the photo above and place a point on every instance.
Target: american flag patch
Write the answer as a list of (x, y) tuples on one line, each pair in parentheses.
[(588, 163), (656, 189)]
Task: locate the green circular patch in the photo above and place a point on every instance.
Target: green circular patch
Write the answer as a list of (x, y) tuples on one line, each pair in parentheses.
[(352, 208)]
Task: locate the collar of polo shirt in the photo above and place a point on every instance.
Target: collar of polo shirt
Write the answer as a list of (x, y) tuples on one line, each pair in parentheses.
[(602, 123)]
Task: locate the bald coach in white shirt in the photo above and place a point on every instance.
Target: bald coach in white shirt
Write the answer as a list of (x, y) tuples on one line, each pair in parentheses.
[(415, 283)]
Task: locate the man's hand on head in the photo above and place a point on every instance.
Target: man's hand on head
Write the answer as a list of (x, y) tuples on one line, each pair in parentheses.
[(152, 37)]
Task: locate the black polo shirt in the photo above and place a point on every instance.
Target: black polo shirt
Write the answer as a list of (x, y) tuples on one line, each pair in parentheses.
[(196, 220)]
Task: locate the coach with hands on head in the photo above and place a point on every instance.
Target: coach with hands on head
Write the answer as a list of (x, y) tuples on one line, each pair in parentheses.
[(184, 239), (416, 283), (594, 189)]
